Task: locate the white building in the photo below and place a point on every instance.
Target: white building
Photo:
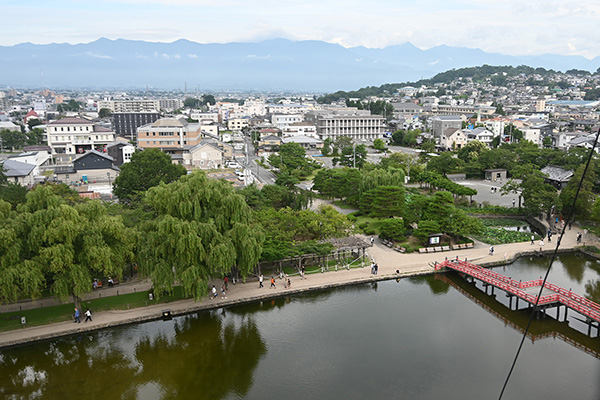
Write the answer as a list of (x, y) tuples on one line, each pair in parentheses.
[(300, 129), (282, 121), (77, 136), (129, 106), (355, 124)]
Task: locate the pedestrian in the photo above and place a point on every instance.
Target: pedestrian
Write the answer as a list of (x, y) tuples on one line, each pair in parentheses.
[(514, 202), (223, 292), (570, 224), (376, 268), (541, 244), (372, 241), (214, 292), (77, 315), (110, 282), (491, 250), (303, 272), (532, 238), (373, 268), (289, 284), (549, 237), (260, 281), (272, 283), (225, 282), (579, 237), (88, 315)]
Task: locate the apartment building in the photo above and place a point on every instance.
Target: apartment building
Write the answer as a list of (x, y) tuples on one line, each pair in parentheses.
[(168, 134), (356, 124), (440, 124), (77, 136), (126, 124), (130, 106)]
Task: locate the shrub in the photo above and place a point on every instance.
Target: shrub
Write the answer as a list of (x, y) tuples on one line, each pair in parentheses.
[(369, 231), (363, 225), (351, 218)]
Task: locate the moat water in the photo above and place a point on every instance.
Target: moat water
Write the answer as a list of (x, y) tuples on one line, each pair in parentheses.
[(433, 337)]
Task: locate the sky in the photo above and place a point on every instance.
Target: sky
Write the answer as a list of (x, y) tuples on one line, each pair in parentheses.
[(514, 27)]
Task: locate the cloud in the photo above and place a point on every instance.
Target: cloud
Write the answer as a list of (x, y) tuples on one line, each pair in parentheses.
[(95, 55), (192, 55), (256, 57)]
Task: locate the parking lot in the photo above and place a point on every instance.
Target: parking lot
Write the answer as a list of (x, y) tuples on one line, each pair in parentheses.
[(485, 193)]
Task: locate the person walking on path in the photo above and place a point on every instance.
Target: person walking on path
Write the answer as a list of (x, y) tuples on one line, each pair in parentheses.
[(376, 268), (77, 316), (223, 292), (88, 315), (303, 272), (541, 244), (532, 238), (289, 283), (260, 281), (273, 283), (372, 241), (491, 250), (225, 281), (214, 292)]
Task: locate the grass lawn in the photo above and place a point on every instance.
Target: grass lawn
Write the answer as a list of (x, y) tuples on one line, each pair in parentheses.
[(48, 315), (374, 223)]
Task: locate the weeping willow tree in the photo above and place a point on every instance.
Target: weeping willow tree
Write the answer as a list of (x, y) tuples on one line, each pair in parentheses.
[(381, 177), (202, 228), (50, 243)]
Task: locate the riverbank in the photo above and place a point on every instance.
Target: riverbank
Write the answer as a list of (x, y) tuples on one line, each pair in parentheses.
[(391, 264)]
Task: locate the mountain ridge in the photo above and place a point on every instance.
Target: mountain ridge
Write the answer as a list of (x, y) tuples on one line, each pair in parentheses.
[(269, 65)]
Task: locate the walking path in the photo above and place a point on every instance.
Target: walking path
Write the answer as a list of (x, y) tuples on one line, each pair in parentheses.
[(388, 260)]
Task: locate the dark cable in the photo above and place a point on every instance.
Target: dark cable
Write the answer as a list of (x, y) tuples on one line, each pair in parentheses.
[(533, 310)]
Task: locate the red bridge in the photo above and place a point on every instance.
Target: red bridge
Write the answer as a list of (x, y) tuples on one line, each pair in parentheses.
[(551, 296)]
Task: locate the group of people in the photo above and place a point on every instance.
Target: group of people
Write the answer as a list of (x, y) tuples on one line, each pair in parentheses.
[(374, 268), (287, 283), (76, 316)]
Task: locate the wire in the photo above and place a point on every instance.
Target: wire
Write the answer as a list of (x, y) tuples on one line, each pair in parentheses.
[(533, 310)]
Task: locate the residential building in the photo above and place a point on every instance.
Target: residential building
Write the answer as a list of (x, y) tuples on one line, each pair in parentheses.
[(268, 145), (76, 136), (440, 124), (170, 104), (126, 124), (300, 129), (557, 176), (282, 121), (355, 124), (90, 167), (168, 134), (19, 172), (121, 152), (237, 124), (481, 134), (453, 139), (205, 155)]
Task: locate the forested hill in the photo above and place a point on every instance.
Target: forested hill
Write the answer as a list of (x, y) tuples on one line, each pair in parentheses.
[(497, 74)]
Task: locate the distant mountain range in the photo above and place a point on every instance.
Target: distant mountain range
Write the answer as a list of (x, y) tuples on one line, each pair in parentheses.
[(271, 65)]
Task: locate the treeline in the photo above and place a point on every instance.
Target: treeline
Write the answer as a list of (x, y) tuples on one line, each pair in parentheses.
[(495, 73)]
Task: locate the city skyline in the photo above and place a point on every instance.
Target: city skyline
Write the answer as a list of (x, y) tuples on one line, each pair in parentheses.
[(508, 27)]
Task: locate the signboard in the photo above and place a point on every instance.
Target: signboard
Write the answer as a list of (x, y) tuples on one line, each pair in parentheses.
[(434, 240)]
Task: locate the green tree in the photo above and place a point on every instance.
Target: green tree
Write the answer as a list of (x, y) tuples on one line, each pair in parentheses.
[(586, 197), (444, 164), (35, 137), (147, 169), (383, 202), (352, 156), (471, 151), (104, 113), (392, 228), (62, 245), (12, 139), (379, 145), (32, 122), (72, 105), (208, 99), (337, 183), (191, 102), (13, 193), (203, 229)]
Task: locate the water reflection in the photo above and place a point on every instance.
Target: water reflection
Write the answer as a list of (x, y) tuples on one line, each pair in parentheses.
[(436, 286), (205, 355), (548, 327)]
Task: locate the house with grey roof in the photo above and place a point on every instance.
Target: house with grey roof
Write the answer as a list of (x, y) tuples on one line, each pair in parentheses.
[(557, 176), (19, 172)]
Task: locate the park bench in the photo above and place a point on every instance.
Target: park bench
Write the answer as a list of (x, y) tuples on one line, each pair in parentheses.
[(445, 248)]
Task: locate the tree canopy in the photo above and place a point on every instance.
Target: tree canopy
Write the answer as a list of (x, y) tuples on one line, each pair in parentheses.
[(146, 169), (202, 227)]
